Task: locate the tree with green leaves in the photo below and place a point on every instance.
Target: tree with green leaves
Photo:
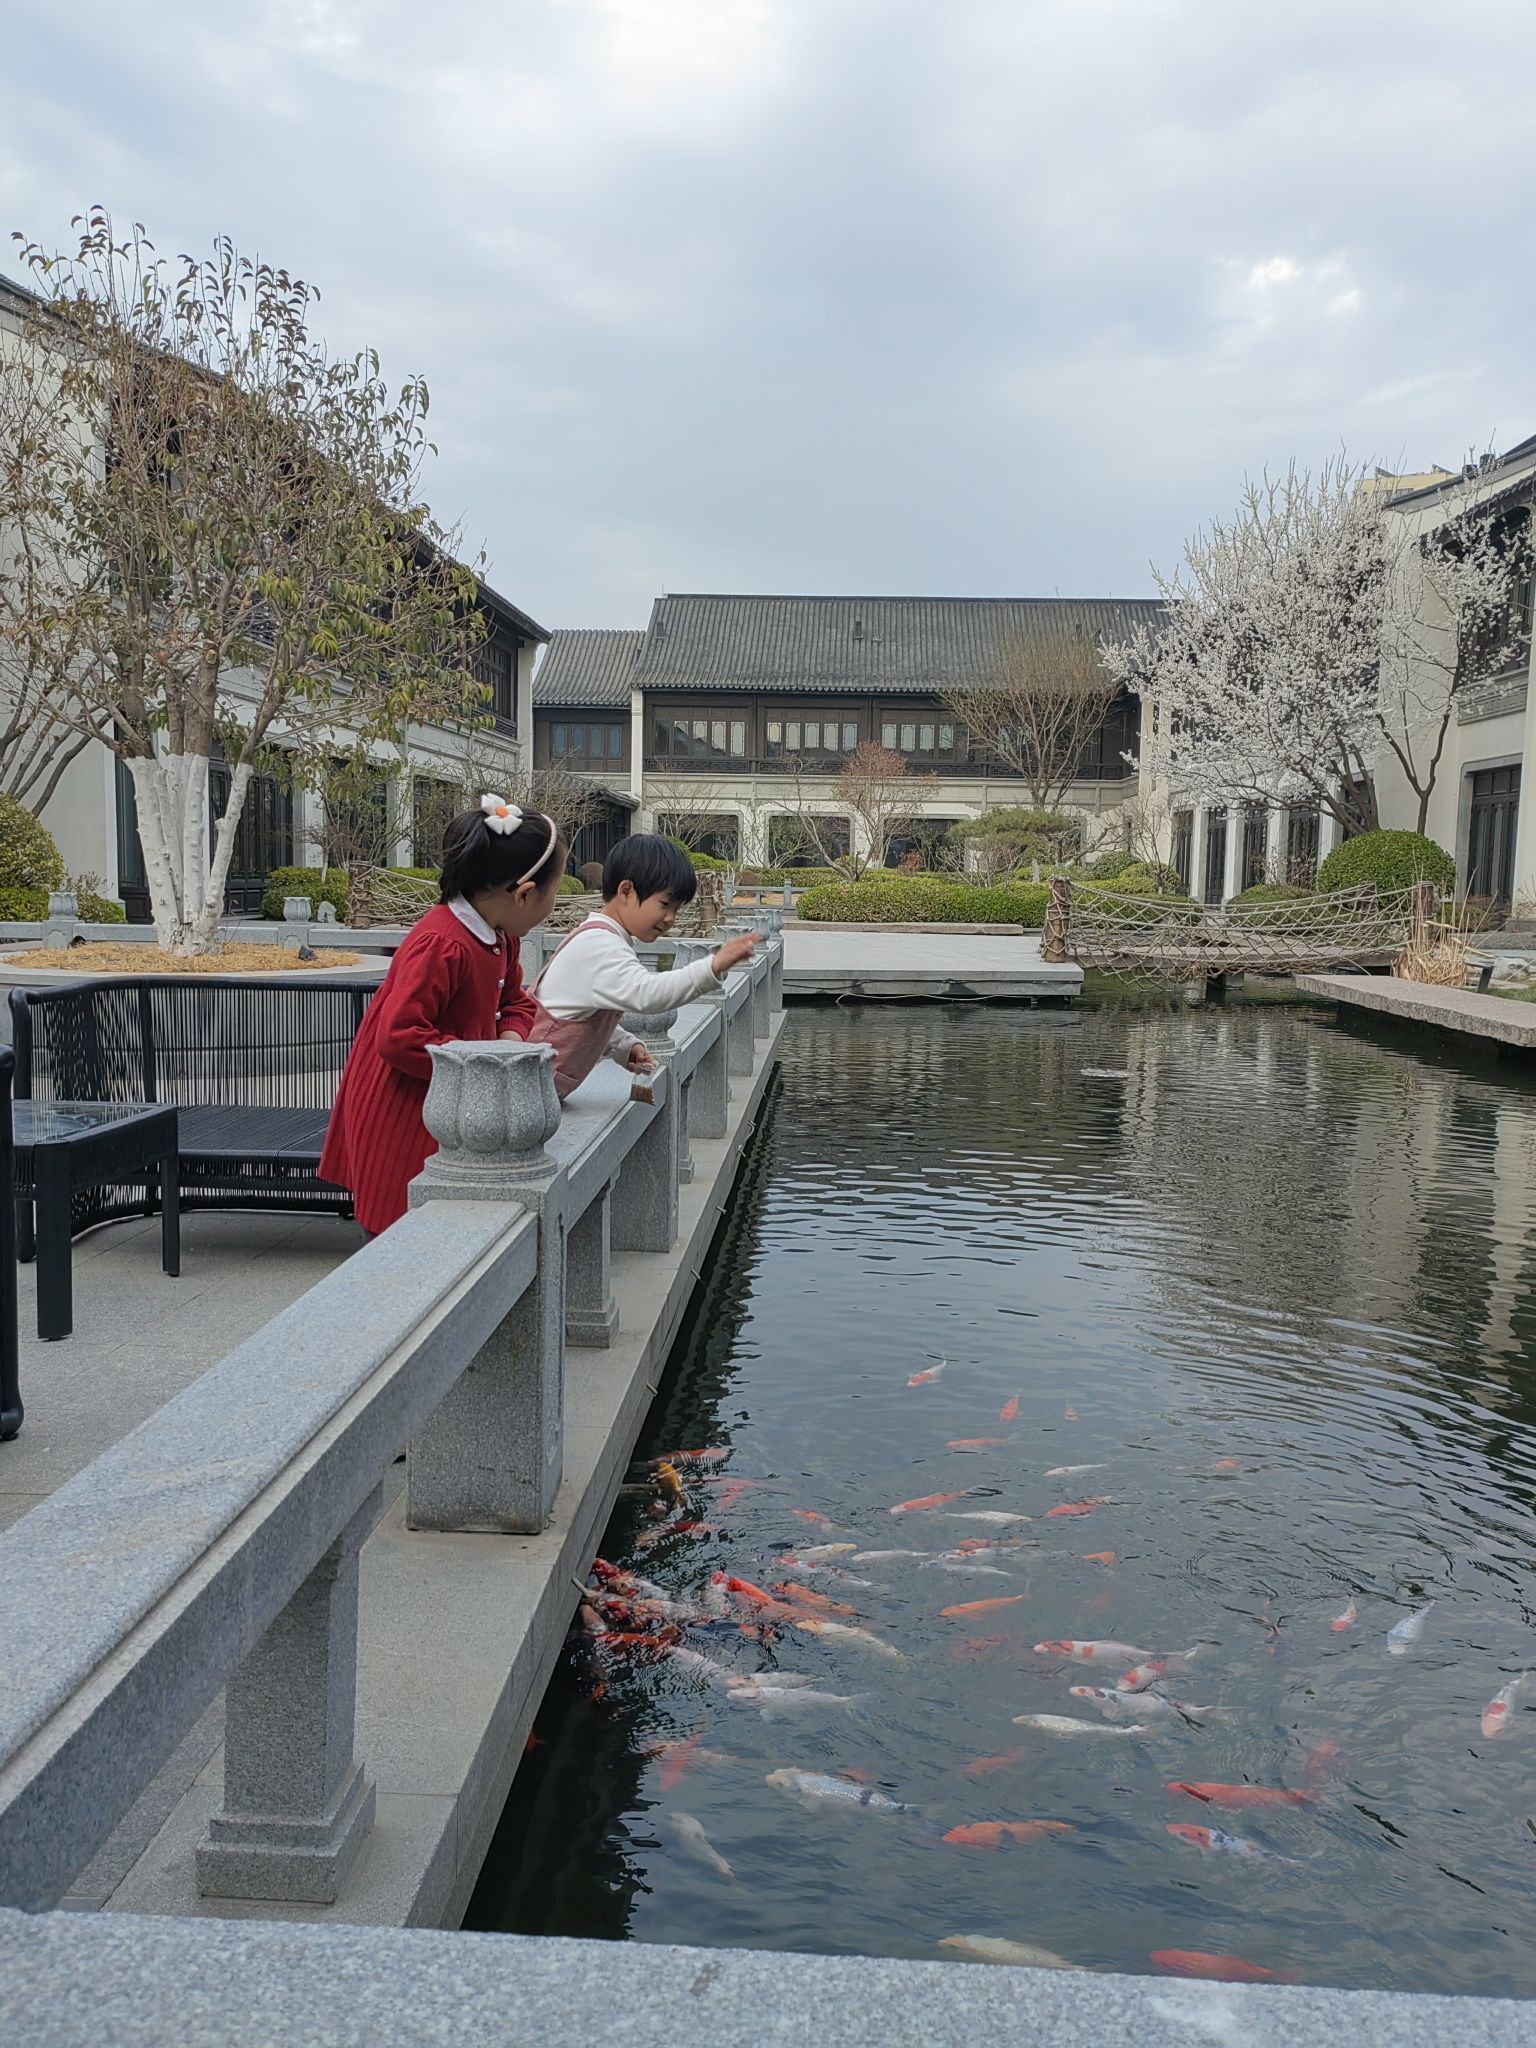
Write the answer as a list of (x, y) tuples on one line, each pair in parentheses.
[(214, 538)]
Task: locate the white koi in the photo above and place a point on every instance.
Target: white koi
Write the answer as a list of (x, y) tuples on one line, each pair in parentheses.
[(817, 1788), (1067, 1724), (992, 1948), (1402, 1637), (689, 1835)]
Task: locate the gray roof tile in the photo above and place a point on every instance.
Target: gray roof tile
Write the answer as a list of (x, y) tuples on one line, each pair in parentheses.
[(869, 646), (590, 667)]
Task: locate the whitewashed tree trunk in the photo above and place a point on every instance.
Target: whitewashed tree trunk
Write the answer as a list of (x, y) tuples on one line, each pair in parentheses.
[(186, 889), (206, 925)]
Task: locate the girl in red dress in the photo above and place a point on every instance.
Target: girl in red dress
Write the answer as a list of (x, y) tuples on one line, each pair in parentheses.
[(457, 975)]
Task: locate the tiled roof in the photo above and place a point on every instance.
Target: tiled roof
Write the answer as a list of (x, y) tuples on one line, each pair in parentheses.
[(589, 667), (872, 646)]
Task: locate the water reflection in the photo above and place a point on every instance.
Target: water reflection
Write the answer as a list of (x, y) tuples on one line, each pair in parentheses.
[(1281, 1273)]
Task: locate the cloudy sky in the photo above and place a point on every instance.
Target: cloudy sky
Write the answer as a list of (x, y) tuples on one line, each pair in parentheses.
[(946, 296)]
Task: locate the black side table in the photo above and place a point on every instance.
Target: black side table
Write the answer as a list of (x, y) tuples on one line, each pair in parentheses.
[(61, 1146)]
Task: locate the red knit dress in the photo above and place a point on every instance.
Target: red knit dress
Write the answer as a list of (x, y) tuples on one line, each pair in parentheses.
[(443, 983)]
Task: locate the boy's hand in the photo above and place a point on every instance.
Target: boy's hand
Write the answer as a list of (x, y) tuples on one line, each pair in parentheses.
[(733, 952), (640, 1061)]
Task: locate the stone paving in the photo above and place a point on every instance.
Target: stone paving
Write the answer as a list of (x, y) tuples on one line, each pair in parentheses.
[(141, 1337)]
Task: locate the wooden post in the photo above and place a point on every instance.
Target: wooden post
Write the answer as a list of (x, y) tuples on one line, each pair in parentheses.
[(1058, 921)]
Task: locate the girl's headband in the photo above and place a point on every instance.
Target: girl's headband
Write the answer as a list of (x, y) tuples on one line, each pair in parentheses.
[(503, 818)]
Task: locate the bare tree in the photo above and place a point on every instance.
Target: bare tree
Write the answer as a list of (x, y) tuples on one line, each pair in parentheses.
[(222, 541), (874, 789), (688, 808), (1039, 710)]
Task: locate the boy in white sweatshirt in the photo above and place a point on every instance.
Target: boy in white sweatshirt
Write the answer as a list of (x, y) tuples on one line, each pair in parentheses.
[(595, 977)]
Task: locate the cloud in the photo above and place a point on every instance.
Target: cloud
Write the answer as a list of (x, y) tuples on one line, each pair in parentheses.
[(839, 294)]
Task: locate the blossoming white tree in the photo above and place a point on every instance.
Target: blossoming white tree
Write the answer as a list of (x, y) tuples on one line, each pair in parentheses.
[(214, 539), (1307, 637)]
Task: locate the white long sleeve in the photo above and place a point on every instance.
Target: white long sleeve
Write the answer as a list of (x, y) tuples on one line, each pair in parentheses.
[(599, 971)]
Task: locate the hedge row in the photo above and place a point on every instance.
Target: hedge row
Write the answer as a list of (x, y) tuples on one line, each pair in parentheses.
[(925, 899)]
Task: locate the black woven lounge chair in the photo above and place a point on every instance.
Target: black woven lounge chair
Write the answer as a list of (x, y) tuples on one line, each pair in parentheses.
[(251, 1066)]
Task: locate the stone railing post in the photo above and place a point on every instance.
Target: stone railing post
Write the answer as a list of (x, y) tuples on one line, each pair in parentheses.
[(740, 1056), (490, 1458), (645, 1196), (297, 1804), (762, 1020), (591, 1313), (709, 1085), (776, 972)]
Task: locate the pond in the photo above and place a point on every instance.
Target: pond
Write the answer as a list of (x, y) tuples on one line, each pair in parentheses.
[(1272, 1284)]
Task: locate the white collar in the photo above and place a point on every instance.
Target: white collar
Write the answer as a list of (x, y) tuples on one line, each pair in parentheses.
[(473, 922)]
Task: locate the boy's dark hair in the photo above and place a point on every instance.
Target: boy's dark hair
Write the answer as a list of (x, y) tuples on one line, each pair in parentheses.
[(655, 866), (476, 859)]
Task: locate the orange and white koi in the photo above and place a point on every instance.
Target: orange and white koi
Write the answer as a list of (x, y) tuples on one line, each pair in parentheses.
[(678, 1758), (855, 1638), (1155, 1669), (1216, 1841), (1196, 1962), (1077, 1507), (1496, 1713), (1345, 1620), (992, 1834), (1070, 1416), (1240, 1797), (981, 1606), (1092, 1652), (925, 1503), (927, 1378), (816, 1521), (1009, 1412), (807, 1596)]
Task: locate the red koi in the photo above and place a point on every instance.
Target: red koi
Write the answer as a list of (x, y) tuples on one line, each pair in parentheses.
[(981, 1766), (981, 1606), (983, 1646), (817, 1521), (1345, 1620), (1098, 1557), (1321, 1758), (806, 1596), (1009, 1412), (1077, 1507), (678, 1756), (991, 1834), (1195, 1962), (1236, 1797), (927, 1501)]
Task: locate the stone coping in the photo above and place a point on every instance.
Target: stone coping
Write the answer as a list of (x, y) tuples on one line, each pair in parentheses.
[(89, 1981), (1494, 1018)]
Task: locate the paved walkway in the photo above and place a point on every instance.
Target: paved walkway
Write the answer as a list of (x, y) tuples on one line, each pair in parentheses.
[(891, 964), (1494, 1018), (140, 1338)]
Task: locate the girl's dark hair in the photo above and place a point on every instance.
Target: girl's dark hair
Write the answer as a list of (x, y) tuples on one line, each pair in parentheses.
[(654, 865), (476, 859)]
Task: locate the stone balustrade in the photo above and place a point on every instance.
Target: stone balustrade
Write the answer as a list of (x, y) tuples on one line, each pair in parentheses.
[(216, 1546)]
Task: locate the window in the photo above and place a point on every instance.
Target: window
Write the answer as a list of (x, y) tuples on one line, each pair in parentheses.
[(774, 732), (700, 738), (1255, 845), (791, 844), (493, 667), (946, 739), (717, 736), (557, 739), (1215, 856), (850, 738), (909, 739), (925, 739), (615, 742), (888, 737), (812, 739), (1302, 833), (792, 736), (433, 803), (1183, 845), (738, 739), (578, 735), (595, 742)]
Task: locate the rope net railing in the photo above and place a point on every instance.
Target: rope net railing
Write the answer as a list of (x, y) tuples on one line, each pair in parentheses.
[(1173, 940)]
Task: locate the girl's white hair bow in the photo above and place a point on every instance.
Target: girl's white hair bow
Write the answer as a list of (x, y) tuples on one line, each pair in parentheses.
[(500, 816)]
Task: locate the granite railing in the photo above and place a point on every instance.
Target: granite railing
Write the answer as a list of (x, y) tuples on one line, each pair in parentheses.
[(216, 1546)]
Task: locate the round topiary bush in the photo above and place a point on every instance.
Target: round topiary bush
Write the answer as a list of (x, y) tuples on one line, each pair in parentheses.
[(1104, 867), (1271, 892), (1392, 860), (572, 885), (28, 857)]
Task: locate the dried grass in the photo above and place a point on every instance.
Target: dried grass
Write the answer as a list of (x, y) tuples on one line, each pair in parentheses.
[(1440, 954), (103, 957)]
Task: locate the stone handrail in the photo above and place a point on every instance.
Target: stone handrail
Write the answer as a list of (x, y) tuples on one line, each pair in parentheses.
[(216, 1546)]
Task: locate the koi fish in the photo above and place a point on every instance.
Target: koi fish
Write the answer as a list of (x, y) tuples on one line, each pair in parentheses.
[(974, 1443), (1121, 1706), (640, 1641), (817, 1788), (995, 1516), (1140, 1676), (774, 1701), (983, 1766), (1065, 1724), (1195, 1962), (992, 1948), (1224, 1465), (983, 1646), (1076, 1507), (1071, 1471), (1105, 1557), (699, 1666), (690, 1837), (691, 1532), (991, 1834), (963, 1567), (730, 1492), (1237, 1797), (670, 1481), (807, 1596), (710, 1456), (743, 1589), (1345, 1620), (817, 1521), (860, 1638), (678, 1758), (1093, 1653), (927, 1378), (1496, 1713), (885, 1556), (1070, 1416), (981, 1606), (1009, 1412), (827, 1571), (1101, 1603), (1214, 1840), (818, 1553), (925, 1503), (1401, 1639), (1321, 1758)]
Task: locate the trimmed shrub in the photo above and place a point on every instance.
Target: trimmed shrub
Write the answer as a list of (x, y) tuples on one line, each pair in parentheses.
[(802, 878), (1104, 867), (925, 899), (28, 857), (572, 885), (327, 887), (30, 906), (1392, 860)]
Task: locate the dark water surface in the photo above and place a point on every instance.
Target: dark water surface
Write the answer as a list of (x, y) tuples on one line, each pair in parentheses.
[(1284, 1278)]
